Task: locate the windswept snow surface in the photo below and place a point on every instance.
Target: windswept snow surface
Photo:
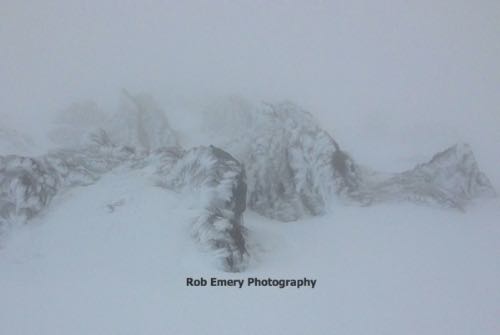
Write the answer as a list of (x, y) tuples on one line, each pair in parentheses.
[(113, 257)]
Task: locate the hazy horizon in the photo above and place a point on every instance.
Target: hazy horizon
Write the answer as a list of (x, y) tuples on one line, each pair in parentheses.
[(370, 72)]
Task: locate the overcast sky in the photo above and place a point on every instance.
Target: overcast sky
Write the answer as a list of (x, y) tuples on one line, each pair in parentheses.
[(356, 64)]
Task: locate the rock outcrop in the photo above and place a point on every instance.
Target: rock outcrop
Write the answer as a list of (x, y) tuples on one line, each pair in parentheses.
[(27, 185), (219, 182), (295, 168), (450, 179), (282, 164), (140, 138)]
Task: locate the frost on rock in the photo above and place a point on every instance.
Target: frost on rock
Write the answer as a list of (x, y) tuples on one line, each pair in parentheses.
[(219, 181), (138, 136), (289, 164), (295, 168), (450, 179), (27, 185)]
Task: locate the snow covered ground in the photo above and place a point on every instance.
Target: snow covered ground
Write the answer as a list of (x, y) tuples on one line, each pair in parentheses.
[(99, 94), (113, 257)]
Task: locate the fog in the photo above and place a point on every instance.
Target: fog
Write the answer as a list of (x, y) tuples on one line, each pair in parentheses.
[(103, 237), (392, 81)]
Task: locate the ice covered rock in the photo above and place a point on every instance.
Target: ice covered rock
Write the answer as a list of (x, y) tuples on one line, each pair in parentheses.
[(27, 186), (294, 168), (290, 166), (218, 181), (450, 179)]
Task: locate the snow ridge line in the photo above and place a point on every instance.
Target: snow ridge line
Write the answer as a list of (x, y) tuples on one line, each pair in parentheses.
[(296, 169), (27, 186)]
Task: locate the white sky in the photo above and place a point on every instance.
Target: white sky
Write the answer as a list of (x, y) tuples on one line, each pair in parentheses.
[(358, 65)]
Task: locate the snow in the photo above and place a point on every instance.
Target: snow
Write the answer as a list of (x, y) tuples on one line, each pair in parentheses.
[(378, 179), (84, 269), (110, 251)]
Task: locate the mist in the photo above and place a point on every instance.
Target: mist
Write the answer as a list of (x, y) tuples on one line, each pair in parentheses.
[(146, 145), (425, 73)]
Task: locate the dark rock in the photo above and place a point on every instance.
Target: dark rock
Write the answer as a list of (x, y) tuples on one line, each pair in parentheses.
[(219, 182)]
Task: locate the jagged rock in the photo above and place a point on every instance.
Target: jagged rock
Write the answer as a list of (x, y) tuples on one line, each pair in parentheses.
[(27, 185), (294, 168), (219, 181), (450, 179), (138, 135), (290, 166)]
